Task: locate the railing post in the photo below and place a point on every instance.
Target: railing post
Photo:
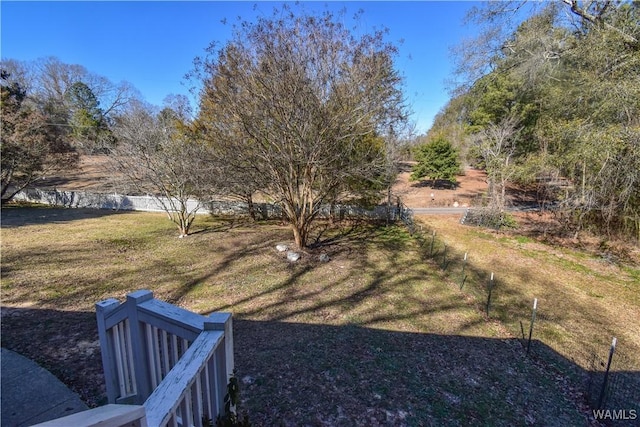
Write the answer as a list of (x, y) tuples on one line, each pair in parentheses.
[(103, 308), (223, 322), (223, 360), (141, 367)]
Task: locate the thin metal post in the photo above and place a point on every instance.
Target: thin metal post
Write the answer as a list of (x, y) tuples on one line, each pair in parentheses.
[(533, 319), (464, 265), (433, 238), (444, 258), (606, 374), (489, 296)]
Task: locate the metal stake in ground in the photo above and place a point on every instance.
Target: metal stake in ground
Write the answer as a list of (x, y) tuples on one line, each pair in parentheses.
[(606, 374), (464, 276), (489, 297), (433, 238), (444, 257), (533, 320)]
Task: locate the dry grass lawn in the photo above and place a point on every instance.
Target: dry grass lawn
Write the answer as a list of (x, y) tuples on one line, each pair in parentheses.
[(584, 299), (379, 335)]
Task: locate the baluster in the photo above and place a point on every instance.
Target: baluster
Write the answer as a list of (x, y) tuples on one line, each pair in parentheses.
[(174, 349), (156, 352), (206, 392), (185, 346), (185, 410), (119, 359), (133, 386), (125, 359), (152, 363), (173, 422), (165, 354), (196, 393), (215, 397)]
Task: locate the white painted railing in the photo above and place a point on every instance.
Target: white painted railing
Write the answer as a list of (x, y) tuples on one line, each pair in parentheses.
[(192, 390), (103, 416), (174, 362)]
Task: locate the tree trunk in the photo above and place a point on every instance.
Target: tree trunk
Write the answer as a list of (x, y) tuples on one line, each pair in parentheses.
[(493, 194), (388, 205), (251, 207), (300, 235), (184, 225), (332, 213)]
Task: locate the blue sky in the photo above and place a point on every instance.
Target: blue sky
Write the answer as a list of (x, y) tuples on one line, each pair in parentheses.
[(152, 44)]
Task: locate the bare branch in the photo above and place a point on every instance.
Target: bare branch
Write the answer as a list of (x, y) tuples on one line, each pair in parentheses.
[(583, 12)]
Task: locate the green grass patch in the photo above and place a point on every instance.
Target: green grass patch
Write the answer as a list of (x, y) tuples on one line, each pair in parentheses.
[(523, 239)]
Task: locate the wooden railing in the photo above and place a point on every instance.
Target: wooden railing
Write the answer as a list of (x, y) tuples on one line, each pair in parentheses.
[(170, 362), (193, 390), (103, 416)]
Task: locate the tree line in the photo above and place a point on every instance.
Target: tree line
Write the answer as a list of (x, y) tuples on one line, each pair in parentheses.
[(299, 109), (293, 106), (548, 97), (50, 112)]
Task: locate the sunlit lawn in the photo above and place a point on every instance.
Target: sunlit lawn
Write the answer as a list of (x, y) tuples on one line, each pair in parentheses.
[(584, 300)]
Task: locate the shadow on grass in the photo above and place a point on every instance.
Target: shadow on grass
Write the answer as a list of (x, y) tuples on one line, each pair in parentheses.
[(222, 223), (358, 233), (17, 215), (63, 342), (560, 307), (314, 374), (583, 323), (296, 373)]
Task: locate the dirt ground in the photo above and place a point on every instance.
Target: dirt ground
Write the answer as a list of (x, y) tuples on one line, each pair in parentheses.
[(92, 174), (424, 194)]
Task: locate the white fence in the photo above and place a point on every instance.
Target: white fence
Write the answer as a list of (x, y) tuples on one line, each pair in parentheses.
[(80, 199)]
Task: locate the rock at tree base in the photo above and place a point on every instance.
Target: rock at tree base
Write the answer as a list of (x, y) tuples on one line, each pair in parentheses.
[(293, 256)]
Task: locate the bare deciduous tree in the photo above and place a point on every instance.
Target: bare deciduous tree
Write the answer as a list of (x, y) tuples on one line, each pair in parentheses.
[(299, 102), (595, 13), (157, 155), (496, 144), (52, 78)]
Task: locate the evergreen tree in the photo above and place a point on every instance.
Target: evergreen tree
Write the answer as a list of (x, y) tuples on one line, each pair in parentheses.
[(437, 160)]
